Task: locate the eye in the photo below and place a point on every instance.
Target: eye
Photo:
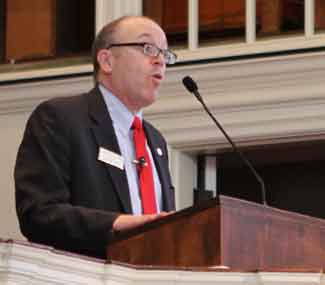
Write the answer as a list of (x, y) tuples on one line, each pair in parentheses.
[(150, 49), (167, 55)]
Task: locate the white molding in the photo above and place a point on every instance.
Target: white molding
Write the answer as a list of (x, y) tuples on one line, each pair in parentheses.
[(262, 99), (24, 97), (193, 25), (250, 21), (260, 46), (292, 278), (45, 73), (195, 53), (26, 264), (254, 99), (109, 10), (309, 18)]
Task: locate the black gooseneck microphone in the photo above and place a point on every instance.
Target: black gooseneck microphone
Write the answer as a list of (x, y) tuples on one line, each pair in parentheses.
[(191, 86)]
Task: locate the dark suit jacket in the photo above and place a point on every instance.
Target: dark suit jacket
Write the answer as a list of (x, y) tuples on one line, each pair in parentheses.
[(65, 196)]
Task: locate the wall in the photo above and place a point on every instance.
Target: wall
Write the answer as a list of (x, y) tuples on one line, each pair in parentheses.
[(11, 127)]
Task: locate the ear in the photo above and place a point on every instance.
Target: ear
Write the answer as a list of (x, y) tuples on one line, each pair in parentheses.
[(105, 61)]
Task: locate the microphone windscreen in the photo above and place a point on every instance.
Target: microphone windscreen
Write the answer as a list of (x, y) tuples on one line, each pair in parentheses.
[(190, 84)]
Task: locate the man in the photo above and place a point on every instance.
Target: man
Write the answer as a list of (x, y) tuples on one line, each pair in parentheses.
[(77, 169)]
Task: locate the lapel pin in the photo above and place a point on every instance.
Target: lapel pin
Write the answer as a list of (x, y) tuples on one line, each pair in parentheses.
[(159, 151)]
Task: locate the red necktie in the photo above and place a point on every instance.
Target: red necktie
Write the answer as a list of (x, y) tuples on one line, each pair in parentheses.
[(144, 168)]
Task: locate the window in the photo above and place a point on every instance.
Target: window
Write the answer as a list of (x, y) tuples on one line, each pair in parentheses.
[(55, 33), (217, 28), (219, 20), (40, 30), (279, 17), (172, 16), (222, 22), (320, 15)]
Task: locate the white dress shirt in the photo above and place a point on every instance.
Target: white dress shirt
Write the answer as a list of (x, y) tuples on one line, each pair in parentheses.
[(122, 122)]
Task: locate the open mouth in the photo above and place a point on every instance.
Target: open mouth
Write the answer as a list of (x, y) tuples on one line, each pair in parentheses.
[(158, 76)]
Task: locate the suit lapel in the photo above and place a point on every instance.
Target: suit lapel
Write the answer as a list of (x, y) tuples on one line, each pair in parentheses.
[(163, 172), (106, 138)]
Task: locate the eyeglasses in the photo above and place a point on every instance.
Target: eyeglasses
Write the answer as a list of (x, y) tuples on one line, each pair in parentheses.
[(151, 50)]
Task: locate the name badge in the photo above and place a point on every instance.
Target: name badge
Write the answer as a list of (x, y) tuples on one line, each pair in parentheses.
[(111, 158)]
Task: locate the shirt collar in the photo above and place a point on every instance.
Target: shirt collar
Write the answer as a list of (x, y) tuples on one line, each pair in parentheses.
[(121, 116)]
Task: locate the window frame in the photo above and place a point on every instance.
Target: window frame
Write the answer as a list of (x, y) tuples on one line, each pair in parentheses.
[(106, 11)]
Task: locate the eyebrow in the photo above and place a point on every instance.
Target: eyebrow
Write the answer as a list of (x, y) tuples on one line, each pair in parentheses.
[(144, 35), (148, 35)]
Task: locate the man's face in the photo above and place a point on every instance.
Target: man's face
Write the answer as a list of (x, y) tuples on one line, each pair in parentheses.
[(136, 77)]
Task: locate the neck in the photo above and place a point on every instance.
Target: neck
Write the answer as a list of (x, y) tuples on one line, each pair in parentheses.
[(123, 99)]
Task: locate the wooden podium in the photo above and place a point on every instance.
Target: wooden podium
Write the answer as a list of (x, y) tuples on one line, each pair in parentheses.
[(225, 232)]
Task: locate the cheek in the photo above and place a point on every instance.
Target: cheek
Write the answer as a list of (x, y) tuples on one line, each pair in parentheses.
[(140, 78), (138, 74)]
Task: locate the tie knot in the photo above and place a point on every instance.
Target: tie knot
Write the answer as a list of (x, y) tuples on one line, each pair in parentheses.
[(137, 123)]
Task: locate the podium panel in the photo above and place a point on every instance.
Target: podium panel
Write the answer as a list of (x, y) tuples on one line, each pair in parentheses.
[(226, 232)]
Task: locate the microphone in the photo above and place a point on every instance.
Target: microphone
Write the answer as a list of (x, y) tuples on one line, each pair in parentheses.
[(192, 87)]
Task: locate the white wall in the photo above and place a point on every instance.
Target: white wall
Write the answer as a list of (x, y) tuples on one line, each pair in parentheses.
[(11, 129)]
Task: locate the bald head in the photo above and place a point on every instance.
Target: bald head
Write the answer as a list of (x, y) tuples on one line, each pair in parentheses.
[(119, 30)]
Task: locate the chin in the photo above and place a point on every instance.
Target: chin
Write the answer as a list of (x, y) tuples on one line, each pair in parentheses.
[(147, 97), (149, 102)]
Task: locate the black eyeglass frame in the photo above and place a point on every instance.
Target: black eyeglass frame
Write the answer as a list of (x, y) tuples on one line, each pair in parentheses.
[(169, 56)]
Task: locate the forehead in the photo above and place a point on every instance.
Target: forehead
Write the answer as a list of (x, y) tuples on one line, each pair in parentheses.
[(142, 29)]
